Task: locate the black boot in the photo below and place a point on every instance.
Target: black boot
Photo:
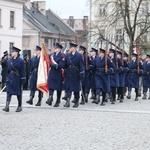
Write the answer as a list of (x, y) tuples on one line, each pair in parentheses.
[(65, 97), (6, 107), (144, 95), (119, 97), (76, 104), (30, 101), (19, 109), (86, 98), (121, 100), (129, 95), (74, 100), (103, 102), (136, 93), (39, 102), (97, 99), (83, 101), (58, 99), (67, 103), (136, 99), (49, 100)]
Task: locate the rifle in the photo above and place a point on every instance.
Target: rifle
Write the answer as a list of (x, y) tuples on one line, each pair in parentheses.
[(116, 56), (138, 60), (123, 51), (86, 56), (106, 57)]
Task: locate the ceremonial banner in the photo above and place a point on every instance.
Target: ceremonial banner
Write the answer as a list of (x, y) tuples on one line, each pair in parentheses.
[(42, 83)]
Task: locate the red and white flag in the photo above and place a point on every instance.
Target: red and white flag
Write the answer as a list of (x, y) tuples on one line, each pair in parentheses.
[(43, 68)]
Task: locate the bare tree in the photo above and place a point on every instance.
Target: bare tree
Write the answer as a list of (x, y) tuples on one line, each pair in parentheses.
[(132, 16)]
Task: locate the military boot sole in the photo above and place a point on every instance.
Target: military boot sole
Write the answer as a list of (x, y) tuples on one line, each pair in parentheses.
[(38, 104), (18, 109), (56, 105), (102, 104), (128, 97), (82, 103), (29, 102), (6, 109), (76, 105)]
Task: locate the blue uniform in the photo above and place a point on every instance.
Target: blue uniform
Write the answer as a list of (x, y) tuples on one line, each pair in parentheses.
[(102, 79), (146, 75), (34, 72), (121, 73), (91, 73), (133, 75), (16, 76), (75, 72), (114, 77), (55, 76)]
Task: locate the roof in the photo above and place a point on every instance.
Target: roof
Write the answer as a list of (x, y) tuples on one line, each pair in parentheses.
[(60, 23), (51, 24)]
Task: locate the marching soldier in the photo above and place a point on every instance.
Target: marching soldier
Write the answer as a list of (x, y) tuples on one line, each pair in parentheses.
[(33, 78), (56, 74), (121, 73), (15, 79), (146, 77), (75, 72), (82, 51), (144, 58), (114, 77), (133, 75), (91, 75), (102, 77), (125, 59), (4, 68)]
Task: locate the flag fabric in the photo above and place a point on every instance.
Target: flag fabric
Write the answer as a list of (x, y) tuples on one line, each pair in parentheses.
[(43, 68)]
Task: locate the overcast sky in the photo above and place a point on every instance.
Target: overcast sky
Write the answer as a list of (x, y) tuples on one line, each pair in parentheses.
[(66, 8)]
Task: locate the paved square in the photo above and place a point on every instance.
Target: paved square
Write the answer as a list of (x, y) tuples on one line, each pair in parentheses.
[(90, 127)]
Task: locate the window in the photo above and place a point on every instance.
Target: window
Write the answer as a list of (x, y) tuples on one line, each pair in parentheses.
[(12, 19), (145, 38), (102, 10), (143, 8), (10, 46), (118, 35)]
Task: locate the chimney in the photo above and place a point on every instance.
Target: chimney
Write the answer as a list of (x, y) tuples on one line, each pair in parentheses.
[(40, 5), (28, 5)]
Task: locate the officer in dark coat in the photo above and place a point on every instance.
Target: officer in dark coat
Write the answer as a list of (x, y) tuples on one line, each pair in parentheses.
[(15, 79), (56, 73), (82, 51), (114, 77), (33, 78), (133, 75), (75, 72), (91, 75), (102, 76), (121, 72), (146, 77), (4, 68)]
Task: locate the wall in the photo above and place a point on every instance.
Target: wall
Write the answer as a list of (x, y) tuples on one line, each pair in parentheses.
[(8, 34)]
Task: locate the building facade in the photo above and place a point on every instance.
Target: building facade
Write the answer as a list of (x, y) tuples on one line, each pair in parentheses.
[(11, 16), (41, 24), (80, 26)]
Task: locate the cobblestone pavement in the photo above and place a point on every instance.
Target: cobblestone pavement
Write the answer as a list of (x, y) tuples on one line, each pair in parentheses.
[(90, 127)]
